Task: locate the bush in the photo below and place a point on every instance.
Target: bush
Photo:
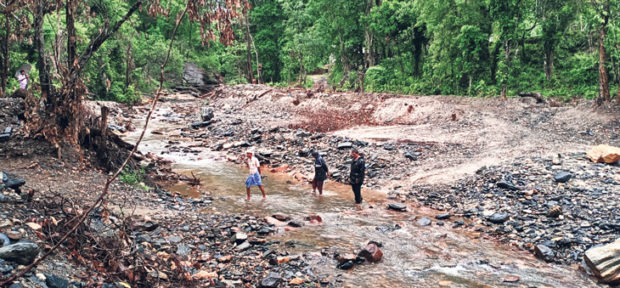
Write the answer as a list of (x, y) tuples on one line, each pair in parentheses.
[(132, 177)]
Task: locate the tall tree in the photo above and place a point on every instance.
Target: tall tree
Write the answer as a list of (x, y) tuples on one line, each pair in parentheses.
[(507, 15), (555, 16), (603, 7)]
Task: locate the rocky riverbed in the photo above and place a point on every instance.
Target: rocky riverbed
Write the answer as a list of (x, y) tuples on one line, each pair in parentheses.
[(555, 205), (489, 168)]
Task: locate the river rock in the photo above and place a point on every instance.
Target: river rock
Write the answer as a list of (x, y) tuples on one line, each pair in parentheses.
[(424, 221), (562, 177), (605, 261), (201, 124), (295, 223), (346, 265), (372, 253), (53, 281), (281, 217), (206, 114), (243, 246), (604, 154), (397, 207), (410, 156), (15, 183), (314, 219), (498, 217), (240, 237), (345, 145), (555, 211), (22, 253), (443, 216), (183, 250), (543, 252), (271, 281), (506, 185)]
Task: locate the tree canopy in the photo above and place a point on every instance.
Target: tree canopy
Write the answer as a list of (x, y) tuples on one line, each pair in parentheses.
[(480, 48)]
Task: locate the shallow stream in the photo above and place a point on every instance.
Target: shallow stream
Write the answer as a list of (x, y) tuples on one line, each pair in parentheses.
[(414, 256)]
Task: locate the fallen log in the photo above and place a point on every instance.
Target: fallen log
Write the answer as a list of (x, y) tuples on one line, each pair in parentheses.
[(605, 261), (536, 95)]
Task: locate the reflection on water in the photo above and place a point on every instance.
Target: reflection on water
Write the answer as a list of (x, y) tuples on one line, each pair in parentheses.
[(414, 256)]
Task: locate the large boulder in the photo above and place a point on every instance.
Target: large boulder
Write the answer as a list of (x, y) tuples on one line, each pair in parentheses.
[(193, 75), (22, 253), (605, 261), (604, 154)]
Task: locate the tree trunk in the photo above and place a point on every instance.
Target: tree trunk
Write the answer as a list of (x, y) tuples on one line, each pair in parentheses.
[(71, 34), (548, 65), (301, 66), (39, 42), (369, 57), (494, 60), (250, 74), (5, 58), (505, 82), (258, 65), (602, 70), (129, 65)]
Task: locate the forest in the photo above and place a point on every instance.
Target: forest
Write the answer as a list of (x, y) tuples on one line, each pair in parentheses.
[(566, 49)]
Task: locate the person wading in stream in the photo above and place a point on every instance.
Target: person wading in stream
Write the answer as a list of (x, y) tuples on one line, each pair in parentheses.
[(254, 177), (320, 172), (358, 167)]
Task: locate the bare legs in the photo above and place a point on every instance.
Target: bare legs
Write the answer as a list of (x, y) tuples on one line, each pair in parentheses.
[(247, 190), (317, 184)]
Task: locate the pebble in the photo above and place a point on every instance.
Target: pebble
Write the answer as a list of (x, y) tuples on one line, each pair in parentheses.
[(562, 177), (397, 206), (424, 221), (498, 217)]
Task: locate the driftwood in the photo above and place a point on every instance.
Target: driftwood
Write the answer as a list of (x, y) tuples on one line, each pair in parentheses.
[(536, 95), (605, 261)]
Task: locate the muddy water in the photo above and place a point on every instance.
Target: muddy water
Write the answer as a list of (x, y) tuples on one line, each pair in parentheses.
[(414, 256)]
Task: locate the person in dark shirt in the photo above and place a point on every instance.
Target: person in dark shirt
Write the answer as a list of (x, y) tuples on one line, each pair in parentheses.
[(358, 167), (320, 172)]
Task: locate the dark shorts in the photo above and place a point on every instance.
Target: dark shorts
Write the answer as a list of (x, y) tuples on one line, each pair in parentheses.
[(316, 181)]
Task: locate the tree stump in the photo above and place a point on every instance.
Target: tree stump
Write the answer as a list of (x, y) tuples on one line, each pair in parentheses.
[(605, 261)]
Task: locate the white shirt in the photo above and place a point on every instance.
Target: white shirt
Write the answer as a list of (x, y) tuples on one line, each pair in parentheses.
[(23, 81), (253, 164)]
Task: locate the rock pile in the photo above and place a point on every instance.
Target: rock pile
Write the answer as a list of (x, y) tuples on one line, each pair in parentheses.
[(557, 209)]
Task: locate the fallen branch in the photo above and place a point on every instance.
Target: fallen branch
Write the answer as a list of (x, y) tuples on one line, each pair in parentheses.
[(115, 175), (536, 95), (256, 98)]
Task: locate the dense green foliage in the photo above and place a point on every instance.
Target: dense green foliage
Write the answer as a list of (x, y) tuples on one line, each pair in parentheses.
[(457, 47)]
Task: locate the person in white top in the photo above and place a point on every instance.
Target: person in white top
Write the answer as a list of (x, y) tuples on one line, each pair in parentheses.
[(23, 79), (254, 177)]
